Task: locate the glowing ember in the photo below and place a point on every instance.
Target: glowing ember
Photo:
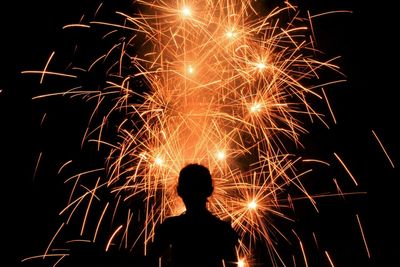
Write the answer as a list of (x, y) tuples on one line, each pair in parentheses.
[(252, 205), (186, 11)]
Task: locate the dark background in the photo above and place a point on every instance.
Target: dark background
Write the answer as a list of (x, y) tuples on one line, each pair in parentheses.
[(365, 40)]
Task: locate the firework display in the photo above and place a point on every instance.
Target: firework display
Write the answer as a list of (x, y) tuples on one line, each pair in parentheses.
[(219, 83)]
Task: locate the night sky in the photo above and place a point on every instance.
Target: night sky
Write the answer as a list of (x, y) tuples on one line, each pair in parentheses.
[(365, 40)]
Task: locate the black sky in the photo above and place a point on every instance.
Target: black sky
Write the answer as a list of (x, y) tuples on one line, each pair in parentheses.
[(365, 40)]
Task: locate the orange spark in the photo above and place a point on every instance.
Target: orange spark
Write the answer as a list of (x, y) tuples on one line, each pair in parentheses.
[(112, 237), (347, 169), (383, 148), (329, 259), (363, 236)]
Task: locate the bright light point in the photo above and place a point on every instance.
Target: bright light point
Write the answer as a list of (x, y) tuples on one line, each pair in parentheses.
[(190, 70), (220, 155), (260, 66), (159, 161), (256, 107), (241, 263), (186, 11), (252, 205), (230, 34)]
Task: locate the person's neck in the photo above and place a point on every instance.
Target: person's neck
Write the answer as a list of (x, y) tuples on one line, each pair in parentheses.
[(198, 208)]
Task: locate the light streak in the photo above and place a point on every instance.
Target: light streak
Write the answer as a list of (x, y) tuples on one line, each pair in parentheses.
[(302, 249), (99, 222), (60, 255), (347, 169), (329, 106), (37, 164), (112, 237), (339, 190), (52, 240), (77, 25), (329, 259), (363, 236), (315, 239), (383, 148), (88, 206), (49, 73), (63, 166), (304, 253), (46, 66), (59, 260)]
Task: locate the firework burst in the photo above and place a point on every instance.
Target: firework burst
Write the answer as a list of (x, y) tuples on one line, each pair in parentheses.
[(210, 82)]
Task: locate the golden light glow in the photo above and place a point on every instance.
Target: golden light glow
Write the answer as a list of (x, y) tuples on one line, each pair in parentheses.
[(256, 107), (190, 69), (260, 66), (241, 263), (231, 34), (186, 11), (220, 155), (158, 161), (252, 205)]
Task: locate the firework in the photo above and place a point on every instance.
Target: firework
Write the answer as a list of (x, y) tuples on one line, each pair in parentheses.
[(210, 82)]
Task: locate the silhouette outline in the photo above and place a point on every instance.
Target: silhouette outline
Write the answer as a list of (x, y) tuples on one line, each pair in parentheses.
[(196, 237)]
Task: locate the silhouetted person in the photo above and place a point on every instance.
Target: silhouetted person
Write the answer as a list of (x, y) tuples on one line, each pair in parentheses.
[(196, 237)]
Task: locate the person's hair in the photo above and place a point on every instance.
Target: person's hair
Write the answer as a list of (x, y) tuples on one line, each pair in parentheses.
[(195, 182)]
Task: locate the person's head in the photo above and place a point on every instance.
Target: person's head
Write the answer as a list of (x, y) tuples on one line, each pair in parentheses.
[(194, 185)]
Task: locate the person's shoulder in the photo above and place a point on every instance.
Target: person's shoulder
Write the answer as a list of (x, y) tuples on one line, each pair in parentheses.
[(168, 226), (227, 231), (225, 224), (219, 220), (172, 220)]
